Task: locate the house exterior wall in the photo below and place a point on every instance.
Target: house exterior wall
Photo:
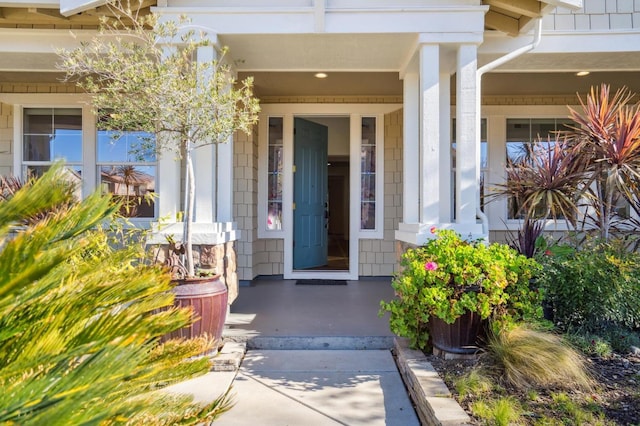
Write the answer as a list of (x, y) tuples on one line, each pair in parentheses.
[(377, 257), (595, 15), (255, 256), (245, 165)]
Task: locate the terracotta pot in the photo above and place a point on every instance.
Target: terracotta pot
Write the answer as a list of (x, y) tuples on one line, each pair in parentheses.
[(461, 337), (208, 298)]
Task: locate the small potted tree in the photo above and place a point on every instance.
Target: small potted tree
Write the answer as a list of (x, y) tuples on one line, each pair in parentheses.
[(142, 76), (448, 286)]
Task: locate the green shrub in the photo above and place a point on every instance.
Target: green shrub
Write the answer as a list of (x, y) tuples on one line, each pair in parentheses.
[(449, 276), (589, 344), (593, 288), (80, 322)]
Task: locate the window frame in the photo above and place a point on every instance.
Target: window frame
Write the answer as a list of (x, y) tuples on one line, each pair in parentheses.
[(377, 232), (47, 163), (21, 101), (497, 115)]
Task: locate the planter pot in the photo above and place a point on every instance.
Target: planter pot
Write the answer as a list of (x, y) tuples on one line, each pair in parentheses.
[(208, 298), (458, 338)]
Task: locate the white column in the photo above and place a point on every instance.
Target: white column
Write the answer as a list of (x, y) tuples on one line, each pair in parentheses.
[(430, 133), (224, 177), (466, 141), (169, 186), (446, 204), (411, 149), (204, 163)]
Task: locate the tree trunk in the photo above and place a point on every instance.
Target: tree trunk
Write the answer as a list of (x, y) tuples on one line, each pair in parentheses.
[(188, 219)]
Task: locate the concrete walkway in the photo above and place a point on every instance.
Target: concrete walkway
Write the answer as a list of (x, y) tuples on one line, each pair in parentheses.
[(316, 355), (319, 387)]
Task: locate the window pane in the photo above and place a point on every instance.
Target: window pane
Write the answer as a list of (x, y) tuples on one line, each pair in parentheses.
[(126, 147), (275, 130), (275, 174), (369, 131), (484, 163), (274, 217), (368, 216), (368, 159), (37, 148), (368, 174), (521, 133), (275, 187), (38, 121), (275, 158), (52, 133), (133, 185), (72, 174), (67, 146)]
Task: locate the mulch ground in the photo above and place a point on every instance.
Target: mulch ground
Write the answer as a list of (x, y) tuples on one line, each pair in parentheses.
[(617, 395)]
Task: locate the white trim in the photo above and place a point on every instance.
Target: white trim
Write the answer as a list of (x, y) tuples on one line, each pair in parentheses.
[(429, 62), (389, 18), (17, 140), (287, 191), (356, 176), (411, 148)]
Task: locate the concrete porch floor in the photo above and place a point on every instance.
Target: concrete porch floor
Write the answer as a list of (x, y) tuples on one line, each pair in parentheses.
[(276, 308)]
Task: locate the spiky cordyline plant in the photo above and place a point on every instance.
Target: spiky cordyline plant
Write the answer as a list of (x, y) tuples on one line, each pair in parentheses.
[(80, 322), (143, 76), (545, 184), (591, 167), (607, 137)]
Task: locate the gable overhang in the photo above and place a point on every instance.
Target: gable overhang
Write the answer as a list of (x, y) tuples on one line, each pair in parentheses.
[(514, 17)]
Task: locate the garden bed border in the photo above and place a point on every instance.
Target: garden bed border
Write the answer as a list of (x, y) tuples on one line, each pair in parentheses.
[(433, 400)]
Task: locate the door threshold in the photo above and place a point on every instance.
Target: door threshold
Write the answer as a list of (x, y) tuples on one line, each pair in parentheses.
[(329, 275)]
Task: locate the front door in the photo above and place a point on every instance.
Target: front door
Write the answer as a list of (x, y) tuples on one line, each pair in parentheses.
[(310, 195)]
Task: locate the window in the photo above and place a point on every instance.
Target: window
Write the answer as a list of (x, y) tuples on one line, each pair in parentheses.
[(484, 164), (126, 164), (275, 174), (368, 175), (521, 133), (50, 134)]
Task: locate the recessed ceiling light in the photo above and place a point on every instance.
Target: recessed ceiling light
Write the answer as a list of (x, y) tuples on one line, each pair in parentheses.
[(582, 73), (321, 75)]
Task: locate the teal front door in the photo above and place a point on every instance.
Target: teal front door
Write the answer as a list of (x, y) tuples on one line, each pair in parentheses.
[(310, 195)]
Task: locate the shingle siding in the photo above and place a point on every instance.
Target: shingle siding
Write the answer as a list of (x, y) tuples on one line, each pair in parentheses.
[(597, 15)]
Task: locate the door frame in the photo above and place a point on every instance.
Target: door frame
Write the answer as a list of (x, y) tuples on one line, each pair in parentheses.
[(354, 112)]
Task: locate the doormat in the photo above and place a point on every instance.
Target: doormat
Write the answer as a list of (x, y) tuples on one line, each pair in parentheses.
[(321, 282)]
